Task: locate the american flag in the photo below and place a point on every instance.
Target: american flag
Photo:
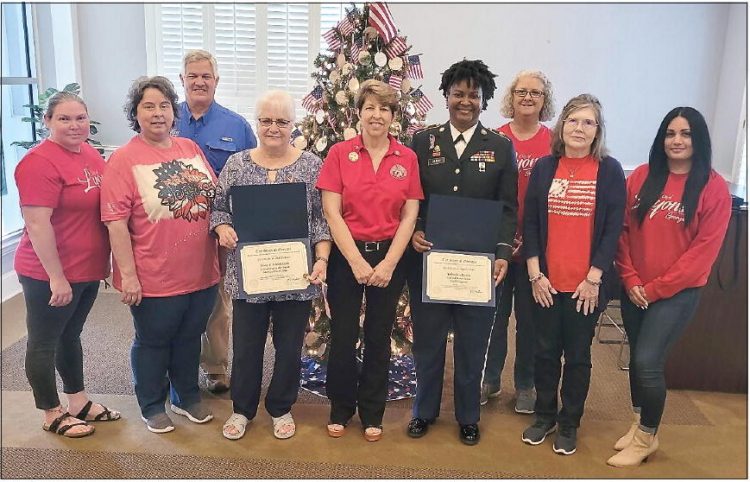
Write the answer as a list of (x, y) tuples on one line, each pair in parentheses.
[(412, 129), (346, 26), (396, 47), (421, 102), (382, 20), (414, 69), (333, 39), (356, 48), (312, 99), (395, 81)]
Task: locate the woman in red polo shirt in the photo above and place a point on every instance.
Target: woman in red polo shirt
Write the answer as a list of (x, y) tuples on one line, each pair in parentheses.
[(371, 194), (62, 256), (678, 209)]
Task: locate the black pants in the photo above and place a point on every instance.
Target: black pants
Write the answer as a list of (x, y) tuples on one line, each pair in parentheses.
[(249, 330), (347, 389), (560, 330), (54, 339), (651, 334)]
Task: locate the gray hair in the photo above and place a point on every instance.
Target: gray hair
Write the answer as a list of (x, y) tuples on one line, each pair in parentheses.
[(277, 98), (58, 99), (548, 107), (196, 56), (598, 147), (135, 95)]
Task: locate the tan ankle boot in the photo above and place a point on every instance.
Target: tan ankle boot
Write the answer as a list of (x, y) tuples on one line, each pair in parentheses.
[(625, 440), (643, 445)]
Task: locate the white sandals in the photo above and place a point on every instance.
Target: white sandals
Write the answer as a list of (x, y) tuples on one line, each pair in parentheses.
[(283, 427), (239, 423)]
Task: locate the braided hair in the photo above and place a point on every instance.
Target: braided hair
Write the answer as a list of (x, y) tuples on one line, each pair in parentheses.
[(475, 73)]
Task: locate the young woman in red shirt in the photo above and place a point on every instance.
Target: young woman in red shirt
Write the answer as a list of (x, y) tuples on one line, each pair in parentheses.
[(371, 194), (61, 258), (678, 209), (573, 218), (528, 101)]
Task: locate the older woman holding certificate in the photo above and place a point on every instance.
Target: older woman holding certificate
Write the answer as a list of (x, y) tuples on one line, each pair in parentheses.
[(371, 194), (274, 161)]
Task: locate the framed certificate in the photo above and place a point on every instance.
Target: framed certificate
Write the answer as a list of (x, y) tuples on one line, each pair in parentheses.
[(458, 277), (273, 267)]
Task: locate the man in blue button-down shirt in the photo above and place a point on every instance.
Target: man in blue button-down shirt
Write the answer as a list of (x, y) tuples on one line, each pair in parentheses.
[(220, 133)]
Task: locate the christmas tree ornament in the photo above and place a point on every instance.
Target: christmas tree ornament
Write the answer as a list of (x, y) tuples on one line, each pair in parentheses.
[(334, 76), (321, 144), (341, 98), (395, 129), (380, 59), (346, 69), (364, 57), (396, 63), (353, 85), (405, 86), (300, 142), (340, 59), (349, 133), (410, 109), (370, 34), (320, 116)]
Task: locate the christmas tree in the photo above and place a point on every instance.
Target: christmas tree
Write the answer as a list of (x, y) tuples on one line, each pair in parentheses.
[(364, 45)]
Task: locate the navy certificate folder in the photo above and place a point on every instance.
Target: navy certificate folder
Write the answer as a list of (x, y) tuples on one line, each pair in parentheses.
[(269, 212), (462, 223)]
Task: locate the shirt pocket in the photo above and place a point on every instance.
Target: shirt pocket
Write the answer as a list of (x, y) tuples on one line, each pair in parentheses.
[(225, 146)]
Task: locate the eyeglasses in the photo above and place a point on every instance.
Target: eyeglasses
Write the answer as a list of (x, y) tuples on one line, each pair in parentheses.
[(535, 94), (585, 123), (280, 123)]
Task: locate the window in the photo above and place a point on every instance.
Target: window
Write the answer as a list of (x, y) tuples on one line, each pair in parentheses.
[(257, 46), (18, 89)]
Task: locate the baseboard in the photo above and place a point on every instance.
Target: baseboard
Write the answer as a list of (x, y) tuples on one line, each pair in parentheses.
[(10, 286)]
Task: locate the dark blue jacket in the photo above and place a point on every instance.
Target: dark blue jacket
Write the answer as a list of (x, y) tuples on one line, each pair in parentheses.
[(609, 210)]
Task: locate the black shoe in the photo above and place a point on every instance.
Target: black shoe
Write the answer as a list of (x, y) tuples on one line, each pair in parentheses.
[(469, 434), (538, 431), (418, 427), (565, 442)]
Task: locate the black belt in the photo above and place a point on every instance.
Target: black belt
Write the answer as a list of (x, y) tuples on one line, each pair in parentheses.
[(372, 246)]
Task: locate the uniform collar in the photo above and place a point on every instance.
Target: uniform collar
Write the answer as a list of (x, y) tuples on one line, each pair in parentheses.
[(394, 148), (468, 133)]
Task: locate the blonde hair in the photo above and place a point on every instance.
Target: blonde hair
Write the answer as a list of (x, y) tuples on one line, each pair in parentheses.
[(383, 93), (60, 97), (598, 147), (196, 56), (548, 107)]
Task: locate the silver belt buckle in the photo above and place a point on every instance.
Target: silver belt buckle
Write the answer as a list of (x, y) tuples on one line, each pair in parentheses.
[(371, 246)]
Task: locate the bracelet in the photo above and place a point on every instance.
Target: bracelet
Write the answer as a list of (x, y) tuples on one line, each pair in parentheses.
[(536, 278), (593, 283), (321, 258)]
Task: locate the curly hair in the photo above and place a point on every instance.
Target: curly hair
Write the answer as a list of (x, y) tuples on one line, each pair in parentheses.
[(135, 95), (380, 92), (582, 101), (548, 107), (475, 72)]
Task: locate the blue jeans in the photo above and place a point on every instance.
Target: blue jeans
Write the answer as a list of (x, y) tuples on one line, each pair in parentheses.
[(651, 334), (167, 347), (516, 285), (54, 339)]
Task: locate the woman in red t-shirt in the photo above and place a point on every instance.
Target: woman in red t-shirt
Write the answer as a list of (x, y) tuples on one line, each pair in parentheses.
[(528, 101), (62, 256), (678, 209), (371, 194), (574, 208)]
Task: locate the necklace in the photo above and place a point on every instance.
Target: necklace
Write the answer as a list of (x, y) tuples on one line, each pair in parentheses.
[(572, 172)]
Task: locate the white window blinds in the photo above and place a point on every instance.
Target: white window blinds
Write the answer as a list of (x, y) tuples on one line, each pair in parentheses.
[(257, 46)]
